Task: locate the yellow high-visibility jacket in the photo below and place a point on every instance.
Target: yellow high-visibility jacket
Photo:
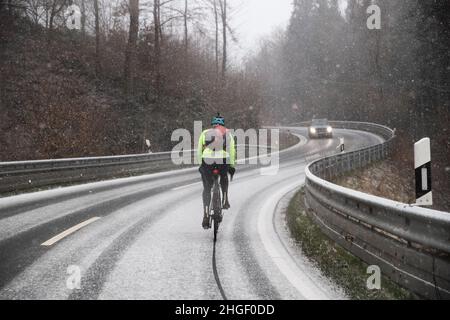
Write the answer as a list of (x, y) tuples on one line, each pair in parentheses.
[(217, 143)]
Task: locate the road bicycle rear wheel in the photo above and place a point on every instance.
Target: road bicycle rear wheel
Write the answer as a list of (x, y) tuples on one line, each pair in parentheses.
[(217, 209), (216, 227)]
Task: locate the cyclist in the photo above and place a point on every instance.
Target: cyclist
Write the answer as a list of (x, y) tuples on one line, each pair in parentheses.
[(217, 150)]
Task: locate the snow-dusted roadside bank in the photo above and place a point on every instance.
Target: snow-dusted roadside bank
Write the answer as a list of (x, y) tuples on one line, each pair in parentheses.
[(347, 271)]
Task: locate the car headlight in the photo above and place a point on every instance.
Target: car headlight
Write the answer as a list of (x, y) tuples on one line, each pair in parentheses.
[(329, 129), (313, 130)]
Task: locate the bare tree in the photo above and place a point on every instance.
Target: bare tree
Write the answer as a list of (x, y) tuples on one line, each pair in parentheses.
[(216, 21), (185, 19), (130, 55), (97, 38), (2, 5), (55, 9), (158, 32), (34, 10), (83, 17), (158, 24), (223, 15)]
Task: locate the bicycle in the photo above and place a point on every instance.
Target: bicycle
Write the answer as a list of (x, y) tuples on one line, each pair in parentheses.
[(215, 208)]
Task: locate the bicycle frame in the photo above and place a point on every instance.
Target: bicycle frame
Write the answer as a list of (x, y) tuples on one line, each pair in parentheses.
[(215, 208)]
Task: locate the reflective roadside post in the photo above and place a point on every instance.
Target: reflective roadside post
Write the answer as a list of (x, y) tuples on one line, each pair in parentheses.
[(422, 164), (341, 145), (149, 145)]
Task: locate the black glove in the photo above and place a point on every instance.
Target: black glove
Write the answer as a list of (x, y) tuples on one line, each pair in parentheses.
[(231, 171)]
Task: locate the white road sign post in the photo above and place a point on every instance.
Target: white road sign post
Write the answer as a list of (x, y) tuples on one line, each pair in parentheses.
[(422, 164), (149, 145), (341, 145)]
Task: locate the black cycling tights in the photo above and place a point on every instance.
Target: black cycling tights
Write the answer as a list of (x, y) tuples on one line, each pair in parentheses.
[(208, 180)]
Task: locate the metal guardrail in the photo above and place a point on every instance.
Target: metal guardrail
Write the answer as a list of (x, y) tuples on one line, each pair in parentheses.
[(411, 245), (25, 175)]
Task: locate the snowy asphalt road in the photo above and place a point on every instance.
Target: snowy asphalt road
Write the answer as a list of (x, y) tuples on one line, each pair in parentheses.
[(141, 237)]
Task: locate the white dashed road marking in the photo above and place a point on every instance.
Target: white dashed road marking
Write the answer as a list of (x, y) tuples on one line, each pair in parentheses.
[(68, 232)]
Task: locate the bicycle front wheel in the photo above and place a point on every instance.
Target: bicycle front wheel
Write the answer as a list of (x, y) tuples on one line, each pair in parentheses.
[(217, 209), (216, 227)]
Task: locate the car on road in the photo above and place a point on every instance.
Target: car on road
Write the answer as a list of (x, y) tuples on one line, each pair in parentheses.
[(320, 128)]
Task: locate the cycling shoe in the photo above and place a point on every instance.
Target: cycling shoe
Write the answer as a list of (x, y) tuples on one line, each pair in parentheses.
[(205, 223)]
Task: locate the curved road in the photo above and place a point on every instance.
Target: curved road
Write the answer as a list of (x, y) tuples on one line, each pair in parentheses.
[(141, 237)]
